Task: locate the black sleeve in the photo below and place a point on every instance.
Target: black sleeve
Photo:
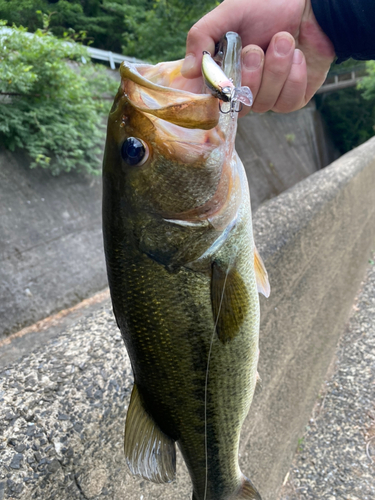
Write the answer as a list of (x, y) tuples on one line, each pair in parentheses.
[(349, 24)]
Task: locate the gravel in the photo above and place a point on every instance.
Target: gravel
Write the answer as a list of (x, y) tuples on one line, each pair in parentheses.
[(335, 458)]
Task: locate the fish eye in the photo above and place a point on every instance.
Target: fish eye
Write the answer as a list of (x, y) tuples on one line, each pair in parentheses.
[(134, 151)]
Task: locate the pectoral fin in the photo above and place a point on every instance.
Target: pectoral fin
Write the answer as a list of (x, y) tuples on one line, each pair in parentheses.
[(230, 301), (261, 275), (148, 451)]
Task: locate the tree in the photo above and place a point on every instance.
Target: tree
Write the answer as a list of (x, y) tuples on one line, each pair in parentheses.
[(51, 101), (350, 112), (102, 20), (151, 29), (156, 30)]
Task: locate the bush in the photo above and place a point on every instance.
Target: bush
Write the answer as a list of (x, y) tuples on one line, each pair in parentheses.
[(367, 83), (349, 117), (51, 100), (350, 112)]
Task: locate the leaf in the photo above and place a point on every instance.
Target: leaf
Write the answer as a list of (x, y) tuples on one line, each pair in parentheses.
[(53, 110)]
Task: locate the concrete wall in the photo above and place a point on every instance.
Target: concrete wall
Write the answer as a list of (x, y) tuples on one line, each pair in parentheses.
[(50, 227), (280, 150), (50, 241), (315, 240), (63, 407)]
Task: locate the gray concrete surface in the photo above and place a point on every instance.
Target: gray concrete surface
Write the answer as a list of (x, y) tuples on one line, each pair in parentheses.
[(315, 240), (21, 343), (50, 227), (50, 241), (280, 150), (335, 459), (63, 407)]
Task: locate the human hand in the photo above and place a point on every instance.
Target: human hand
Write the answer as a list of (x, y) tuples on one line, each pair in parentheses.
[(286, 55)]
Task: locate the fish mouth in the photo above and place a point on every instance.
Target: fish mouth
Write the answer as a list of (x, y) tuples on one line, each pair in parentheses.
[(160, 91)]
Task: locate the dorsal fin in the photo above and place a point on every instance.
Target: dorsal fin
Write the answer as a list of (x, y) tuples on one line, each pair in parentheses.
[(148, 451), (261, 274)]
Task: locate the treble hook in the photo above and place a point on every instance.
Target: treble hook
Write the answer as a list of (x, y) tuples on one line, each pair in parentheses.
[(232, 109), (224, 112)]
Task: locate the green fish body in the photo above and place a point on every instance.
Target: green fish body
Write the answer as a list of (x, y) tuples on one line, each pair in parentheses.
[(182, 275)]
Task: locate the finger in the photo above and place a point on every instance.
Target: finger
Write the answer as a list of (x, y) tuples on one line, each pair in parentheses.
[(292, 96), (277, 65), (205, 34), (252, 69)]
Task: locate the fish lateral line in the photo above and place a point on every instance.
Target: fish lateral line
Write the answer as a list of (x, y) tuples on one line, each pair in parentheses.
[(206, 383)]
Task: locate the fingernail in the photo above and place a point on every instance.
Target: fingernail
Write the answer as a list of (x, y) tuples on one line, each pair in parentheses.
[(283, 45), (252, 60), (188, 64), (297, 56)]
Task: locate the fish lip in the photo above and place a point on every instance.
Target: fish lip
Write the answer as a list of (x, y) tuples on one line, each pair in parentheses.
[(130, 71), (153, 90), (133, 72)]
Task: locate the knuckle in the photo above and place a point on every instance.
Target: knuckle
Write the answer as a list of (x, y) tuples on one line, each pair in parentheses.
[(193, 33), (287, 104), (277, 72), (261, 107)]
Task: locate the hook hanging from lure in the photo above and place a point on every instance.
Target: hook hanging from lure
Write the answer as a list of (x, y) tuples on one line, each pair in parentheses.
[(222, 87)]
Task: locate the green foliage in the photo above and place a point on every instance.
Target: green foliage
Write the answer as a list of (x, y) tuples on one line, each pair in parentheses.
[(367, 83), (153, 30), (54, 110), (290, 138), (350, 112), (102, 20), (349, 117), (51, 101), (156, 29)]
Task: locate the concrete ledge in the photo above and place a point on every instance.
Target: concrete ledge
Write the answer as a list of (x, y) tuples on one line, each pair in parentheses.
[(62, 408)]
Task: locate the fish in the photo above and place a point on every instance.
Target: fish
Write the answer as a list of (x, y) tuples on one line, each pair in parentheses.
[(183, 272)]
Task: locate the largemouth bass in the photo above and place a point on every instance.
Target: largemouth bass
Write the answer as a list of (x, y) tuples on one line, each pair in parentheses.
[(183, 274)]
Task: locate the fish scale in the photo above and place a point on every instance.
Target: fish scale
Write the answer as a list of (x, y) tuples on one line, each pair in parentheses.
[(182, 278)]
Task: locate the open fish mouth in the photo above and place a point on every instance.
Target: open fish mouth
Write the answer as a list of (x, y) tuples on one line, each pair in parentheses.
[(160, 91)]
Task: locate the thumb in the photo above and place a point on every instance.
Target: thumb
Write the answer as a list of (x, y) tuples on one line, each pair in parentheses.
[(204, 35)]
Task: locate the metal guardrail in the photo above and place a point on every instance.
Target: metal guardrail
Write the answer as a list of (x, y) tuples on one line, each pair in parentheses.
[(100, 55), (342, 80), (111, 57)]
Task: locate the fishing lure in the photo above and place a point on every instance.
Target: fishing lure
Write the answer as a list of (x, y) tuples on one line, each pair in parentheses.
[(222, 87)]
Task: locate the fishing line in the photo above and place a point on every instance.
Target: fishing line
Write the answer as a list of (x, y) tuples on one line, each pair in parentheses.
[(206, 385)]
